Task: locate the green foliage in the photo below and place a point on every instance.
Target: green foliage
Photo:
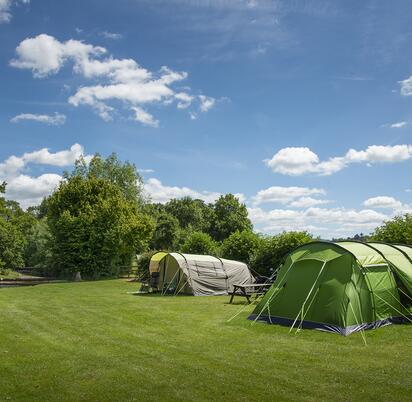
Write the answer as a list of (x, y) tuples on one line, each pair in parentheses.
[(199, 243), (143, 262), (14, 222), (272, 250), (94, 227), (11, 246), (37, 251), (122, 174), (229, 216), (166, 232), (191, 214), (241, 246), (396, 230)]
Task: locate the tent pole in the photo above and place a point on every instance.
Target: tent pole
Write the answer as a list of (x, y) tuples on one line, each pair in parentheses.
[(405, 294), (274, 293), (380, 298), (307, 297), (403, 315), (164, 292), (310, 305), (360, 325), (360, 307), (176, 293)]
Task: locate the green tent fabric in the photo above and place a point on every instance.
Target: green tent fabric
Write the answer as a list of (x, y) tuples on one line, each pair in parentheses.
[(341, 287)]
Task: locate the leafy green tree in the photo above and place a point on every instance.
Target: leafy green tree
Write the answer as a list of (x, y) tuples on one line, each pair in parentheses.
[(12, 241), (191, 213), (229, 216), (122, 174), (37, 250), (273, 249), (241, 246), (154, 210), (199, 243), (95, 228), (166, 232), (11, 246), (396, 230)]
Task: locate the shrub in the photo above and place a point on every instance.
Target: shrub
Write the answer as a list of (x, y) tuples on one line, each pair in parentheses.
[(396, 230), (241, 246), (199, 243), (142, 273), (272, 250)]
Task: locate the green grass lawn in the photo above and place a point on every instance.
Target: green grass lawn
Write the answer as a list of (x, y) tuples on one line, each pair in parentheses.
[(92, 341)]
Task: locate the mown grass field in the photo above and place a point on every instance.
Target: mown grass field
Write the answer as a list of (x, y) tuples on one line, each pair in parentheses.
[(92, 341)]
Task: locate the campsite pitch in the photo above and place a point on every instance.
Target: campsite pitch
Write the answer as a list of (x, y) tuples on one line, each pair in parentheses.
[(94, 341)]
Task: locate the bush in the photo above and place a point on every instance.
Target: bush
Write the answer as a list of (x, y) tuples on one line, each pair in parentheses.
[(397, 230), (200, 243), (272, 250), (241, 246), (142, 273)]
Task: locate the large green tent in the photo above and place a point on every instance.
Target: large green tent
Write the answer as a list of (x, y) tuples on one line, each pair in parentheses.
[(341, 287)]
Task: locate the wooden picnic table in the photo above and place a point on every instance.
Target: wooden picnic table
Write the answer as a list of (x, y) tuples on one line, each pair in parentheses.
[(244, 290)]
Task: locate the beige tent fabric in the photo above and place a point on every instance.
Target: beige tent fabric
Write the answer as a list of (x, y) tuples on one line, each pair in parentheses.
[(201, 275)]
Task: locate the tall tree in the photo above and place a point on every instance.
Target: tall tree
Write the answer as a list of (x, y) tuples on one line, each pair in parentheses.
[(191, 213), (229, 216), (166, 232), (122, 174), (95, 228), (12, 240)]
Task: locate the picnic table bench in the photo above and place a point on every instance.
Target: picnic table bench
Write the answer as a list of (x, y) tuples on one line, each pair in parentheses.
[(248, 290)]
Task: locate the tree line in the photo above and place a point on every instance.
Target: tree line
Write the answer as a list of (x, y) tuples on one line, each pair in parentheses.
[(99, 218)]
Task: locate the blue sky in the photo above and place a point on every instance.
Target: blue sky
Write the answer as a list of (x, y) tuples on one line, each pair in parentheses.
[(303, 108)]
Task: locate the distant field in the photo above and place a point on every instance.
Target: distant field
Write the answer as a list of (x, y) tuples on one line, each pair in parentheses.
[(92, 341)]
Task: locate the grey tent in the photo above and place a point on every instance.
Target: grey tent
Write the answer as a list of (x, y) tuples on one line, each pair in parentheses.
[(198, 275)]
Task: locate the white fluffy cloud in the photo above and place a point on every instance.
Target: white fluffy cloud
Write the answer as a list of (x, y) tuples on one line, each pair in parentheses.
[(162, 194), (55, 120), (111, 35), (317, 220), (158, 192), (5, 7), (29, 190), (388, 203), (296, 161), (144, 117), (286, 195), (121, 80), (306, 202), (382, 202), (399, 124), (406, 86), (206, 102), (45, 55), (5, 10)]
